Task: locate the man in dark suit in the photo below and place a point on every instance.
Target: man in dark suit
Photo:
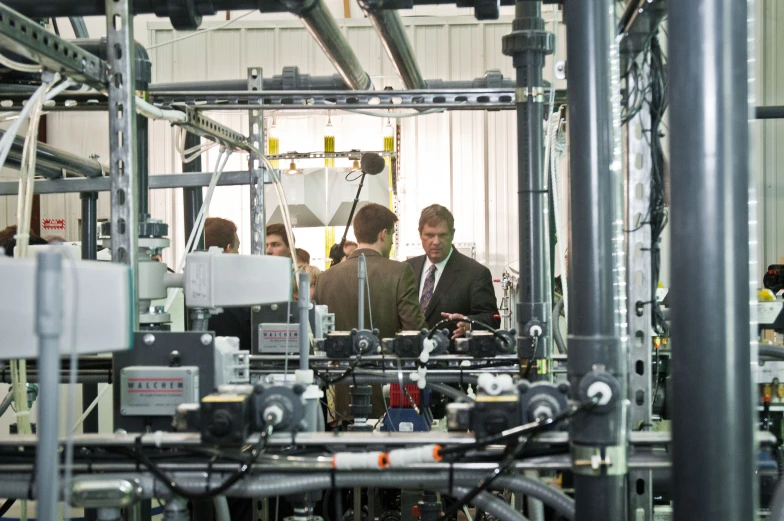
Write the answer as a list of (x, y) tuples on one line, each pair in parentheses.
[(451, 285)]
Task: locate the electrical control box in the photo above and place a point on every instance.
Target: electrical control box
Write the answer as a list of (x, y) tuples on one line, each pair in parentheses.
[(157, 391), (278, 338), (232, 365)]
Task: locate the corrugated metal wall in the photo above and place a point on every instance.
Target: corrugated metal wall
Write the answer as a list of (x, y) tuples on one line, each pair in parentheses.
[(463, 160), (768, 154)]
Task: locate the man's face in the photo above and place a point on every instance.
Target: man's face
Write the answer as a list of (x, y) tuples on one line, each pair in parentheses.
[(235, 245), (276, 246), (436, 241), (389, 239), (348, 250)]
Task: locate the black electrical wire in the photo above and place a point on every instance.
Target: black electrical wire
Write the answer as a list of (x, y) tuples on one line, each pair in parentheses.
[(348, 372), (471, 321), (6, 506), (516, 452), (532, 358), (522, 430), (230, 481)]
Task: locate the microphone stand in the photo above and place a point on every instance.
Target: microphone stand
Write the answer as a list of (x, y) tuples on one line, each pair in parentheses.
[(353, 208)]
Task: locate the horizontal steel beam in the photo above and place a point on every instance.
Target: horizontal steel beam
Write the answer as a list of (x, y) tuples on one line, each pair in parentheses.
[(28, 39), (351, 154), (102, 184), (201, 125), (340, 100), (436, 98), (189, 439)]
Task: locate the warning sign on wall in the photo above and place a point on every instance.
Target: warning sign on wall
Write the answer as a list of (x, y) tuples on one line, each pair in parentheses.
[(53, 224)]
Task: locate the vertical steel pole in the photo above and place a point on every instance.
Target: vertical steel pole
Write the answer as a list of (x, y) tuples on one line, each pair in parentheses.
[(711, 371), (598, 437), (258, 217), (638, 189), (528, 44), (49, 311), (122, 137)]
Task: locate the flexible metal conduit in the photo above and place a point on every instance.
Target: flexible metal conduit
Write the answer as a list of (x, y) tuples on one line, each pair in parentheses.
[(394, 37), (256, 486), (321, 24), (53, 161)]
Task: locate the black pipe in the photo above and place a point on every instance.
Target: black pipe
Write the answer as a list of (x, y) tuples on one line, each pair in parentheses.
[(528, 44), (595, 349), (291, 79), (143, 162), (772, 112), (711, 373), (192, 198), (89, 225)]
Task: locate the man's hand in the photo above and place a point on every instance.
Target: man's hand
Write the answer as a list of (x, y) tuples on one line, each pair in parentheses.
[(462, 327)]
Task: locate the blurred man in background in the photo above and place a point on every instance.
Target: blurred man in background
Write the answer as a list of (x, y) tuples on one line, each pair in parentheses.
[(235, 322), (278, 241)]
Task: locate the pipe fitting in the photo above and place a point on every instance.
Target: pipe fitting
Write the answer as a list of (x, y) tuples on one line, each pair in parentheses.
[(603, 384)]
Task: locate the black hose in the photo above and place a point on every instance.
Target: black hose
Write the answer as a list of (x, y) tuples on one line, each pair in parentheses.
[(771, 351), (559, 341)]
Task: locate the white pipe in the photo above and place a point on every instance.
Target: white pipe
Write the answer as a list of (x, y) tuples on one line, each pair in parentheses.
[(151, 111)]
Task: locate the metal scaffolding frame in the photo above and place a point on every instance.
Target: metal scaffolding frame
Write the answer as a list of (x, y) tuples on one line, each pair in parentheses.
[(598, 436)]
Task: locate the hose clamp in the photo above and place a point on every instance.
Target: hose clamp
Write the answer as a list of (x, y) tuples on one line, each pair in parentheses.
[(600, 460), (523, 93)]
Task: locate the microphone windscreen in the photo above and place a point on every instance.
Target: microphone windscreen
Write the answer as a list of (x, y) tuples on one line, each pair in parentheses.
[(372, 163)]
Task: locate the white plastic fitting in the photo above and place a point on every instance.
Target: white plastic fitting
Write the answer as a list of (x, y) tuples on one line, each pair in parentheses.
[(495, 385), (359, 460), (414, 456), (600, 387)]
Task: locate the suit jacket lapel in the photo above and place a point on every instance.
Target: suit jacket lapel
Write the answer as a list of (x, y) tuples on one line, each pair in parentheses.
[(418, 264), (444, 283)]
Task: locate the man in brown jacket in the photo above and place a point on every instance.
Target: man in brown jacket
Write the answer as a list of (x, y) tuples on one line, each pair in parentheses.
[(394, 297)]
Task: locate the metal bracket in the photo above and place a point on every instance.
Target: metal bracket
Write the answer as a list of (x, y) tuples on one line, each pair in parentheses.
[(523, 93), (599, 461), (27, 38)]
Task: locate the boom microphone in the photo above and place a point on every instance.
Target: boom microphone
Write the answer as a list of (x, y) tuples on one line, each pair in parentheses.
[(372, 163)]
